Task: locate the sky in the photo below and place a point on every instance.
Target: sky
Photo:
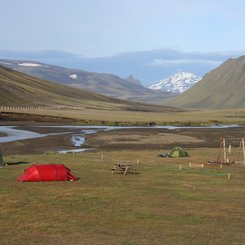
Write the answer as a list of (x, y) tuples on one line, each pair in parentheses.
[(96, 28)]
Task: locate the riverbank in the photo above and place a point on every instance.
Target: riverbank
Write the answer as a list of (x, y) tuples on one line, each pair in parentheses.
[(54, 138)]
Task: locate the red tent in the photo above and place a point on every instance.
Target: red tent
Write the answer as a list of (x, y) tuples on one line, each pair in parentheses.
[(47, 172)]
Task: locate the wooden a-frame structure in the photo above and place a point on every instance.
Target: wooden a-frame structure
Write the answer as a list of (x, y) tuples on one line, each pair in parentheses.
[(227, 151)]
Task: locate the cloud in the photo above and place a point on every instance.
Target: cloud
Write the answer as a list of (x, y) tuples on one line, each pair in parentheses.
[(164, 62)]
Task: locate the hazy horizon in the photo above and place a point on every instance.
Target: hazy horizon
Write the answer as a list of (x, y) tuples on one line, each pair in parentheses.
[(102, 28)]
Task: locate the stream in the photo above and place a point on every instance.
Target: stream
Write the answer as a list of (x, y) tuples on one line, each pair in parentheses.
[(12, 133)]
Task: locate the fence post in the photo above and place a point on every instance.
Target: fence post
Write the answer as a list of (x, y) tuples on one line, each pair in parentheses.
[(229, 176)]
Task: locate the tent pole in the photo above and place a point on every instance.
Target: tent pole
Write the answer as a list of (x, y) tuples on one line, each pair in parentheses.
[(221, 144)]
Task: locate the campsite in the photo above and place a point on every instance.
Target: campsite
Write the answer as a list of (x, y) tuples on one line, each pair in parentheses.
[(161, 204), (122, 122)]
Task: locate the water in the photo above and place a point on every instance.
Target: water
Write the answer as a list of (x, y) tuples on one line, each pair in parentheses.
[(13, 134), (78, 139), (73, 151)]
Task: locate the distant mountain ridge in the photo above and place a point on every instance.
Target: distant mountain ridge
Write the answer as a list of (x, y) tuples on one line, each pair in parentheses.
[(133, 80), (145, 65), (101, 83), (18, 89), (222, 88), (177, 83)]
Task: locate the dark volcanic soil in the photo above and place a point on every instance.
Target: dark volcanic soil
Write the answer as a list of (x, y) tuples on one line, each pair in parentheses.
[(130, 139)]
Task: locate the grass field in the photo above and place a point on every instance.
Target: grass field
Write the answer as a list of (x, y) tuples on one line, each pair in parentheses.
[(160, 205), (122, 117)]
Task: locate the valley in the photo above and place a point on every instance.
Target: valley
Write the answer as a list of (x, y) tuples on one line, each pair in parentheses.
[(27, 98), (166, 196), (122, 122)]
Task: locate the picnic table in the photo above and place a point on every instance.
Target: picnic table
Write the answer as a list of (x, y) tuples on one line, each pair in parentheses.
[(121, 168)]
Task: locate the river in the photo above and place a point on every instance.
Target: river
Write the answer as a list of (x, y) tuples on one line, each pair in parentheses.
[(15, 133)]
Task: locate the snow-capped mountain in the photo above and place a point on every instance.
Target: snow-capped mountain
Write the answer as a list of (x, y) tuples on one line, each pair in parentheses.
[(177, 83)]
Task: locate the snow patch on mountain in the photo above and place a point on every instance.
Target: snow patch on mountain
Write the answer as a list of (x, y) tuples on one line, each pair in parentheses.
[(73, 76), (177, 83), (31, 64)]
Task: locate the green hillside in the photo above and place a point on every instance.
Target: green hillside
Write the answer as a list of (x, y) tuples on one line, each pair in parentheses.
[(18, 89), (222, 88)]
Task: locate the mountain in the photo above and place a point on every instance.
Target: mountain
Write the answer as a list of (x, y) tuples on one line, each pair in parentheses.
[(222, 88), (177, 83), (19, 89), (133, 80), (147, 66), (101, 83)]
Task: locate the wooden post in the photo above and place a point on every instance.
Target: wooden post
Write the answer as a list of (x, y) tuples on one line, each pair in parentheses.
[(229, 176), (243, 150), (203, 165), (138, 161), (189, 164), (221, 165), (224, 149), (180, 167), (220, 147), (229, 149), (102, 156)]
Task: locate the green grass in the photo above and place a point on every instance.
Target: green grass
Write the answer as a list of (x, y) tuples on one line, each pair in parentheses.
[(161, 205), (219, 89)]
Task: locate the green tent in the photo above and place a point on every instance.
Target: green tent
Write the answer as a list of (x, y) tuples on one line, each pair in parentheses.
[(178, 152)]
